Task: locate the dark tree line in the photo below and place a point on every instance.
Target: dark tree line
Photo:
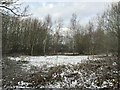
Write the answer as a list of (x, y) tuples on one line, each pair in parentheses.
[(40, 37)]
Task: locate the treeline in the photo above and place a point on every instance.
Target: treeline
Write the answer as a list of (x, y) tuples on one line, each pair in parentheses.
[(43, 37)]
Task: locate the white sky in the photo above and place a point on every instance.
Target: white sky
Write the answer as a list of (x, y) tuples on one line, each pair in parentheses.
[(85, 9), (69, 0)]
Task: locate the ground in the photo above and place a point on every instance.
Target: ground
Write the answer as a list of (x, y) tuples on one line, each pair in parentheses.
[(60, 72)]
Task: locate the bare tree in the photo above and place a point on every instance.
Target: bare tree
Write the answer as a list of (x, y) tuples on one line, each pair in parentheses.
[(90, 32), (48, 25), (11, 6), (57, 36), (112, 22), (73, 28)]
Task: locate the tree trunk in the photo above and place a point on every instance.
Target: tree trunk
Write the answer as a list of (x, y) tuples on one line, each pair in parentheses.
[(118, 27), (44, 47), (32, 48), (118, 61)]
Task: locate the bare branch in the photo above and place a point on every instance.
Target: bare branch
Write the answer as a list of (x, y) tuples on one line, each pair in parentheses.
[(23, 15)]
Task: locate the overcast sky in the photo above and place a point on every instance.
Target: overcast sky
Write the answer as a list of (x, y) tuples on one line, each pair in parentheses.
[(85, 9)]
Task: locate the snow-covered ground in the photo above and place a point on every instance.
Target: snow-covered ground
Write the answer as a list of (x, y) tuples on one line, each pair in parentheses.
[(51, 60), (56, 60), (68, 75)]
